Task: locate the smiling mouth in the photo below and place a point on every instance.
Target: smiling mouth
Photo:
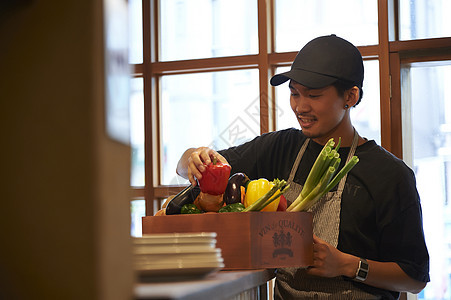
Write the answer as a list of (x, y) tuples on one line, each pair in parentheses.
[(306, 121)]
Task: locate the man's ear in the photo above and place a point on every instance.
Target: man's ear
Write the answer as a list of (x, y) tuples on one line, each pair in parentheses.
[(352, 96)]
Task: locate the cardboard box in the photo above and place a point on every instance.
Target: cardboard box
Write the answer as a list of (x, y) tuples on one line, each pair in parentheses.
[(252, 240)]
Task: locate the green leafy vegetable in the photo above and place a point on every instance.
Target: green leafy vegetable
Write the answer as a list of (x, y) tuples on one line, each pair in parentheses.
[(234, 207), (190, 209)]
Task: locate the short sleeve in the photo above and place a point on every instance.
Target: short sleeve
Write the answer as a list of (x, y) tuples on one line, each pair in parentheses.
[(243, 158), (269, 156), (402, 240)]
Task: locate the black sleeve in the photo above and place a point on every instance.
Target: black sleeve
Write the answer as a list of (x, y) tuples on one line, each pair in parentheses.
[(243, 158), (402, 239), (269, 156)]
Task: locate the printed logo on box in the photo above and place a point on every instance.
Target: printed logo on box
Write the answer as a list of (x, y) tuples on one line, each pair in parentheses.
[(282, 244), (285, 235)]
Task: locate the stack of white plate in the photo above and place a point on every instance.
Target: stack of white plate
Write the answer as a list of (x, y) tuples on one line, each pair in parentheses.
[(177, 254)]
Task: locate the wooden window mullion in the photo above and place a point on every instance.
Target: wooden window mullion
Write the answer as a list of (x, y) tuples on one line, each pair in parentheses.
[(263, 65), (384, 74)]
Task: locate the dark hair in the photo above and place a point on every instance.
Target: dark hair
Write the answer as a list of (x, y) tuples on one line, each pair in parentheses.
[(342, 86)]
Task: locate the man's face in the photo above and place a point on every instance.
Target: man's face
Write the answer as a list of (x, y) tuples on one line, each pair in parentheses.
[(320, 112)]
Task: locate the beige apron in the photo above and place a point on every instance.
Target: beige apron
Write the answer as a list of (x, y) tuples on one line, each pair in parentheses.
[(295, 283)]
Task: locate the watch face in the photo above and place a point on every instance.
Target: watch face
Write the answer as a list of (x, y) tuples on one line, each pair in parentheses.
[(364, 265), (362, 273)]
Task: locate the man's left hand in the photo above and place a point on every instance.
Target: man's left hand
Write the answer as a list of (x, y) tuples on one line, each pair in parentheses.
[(328, 261)]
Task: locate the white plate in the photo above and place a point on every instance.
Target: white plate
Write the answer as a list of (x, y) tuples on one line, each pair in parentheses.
[(181, 234), (211, 243), (174, 272), (176, 238), (177, 260), (170, 256), (174, 249)]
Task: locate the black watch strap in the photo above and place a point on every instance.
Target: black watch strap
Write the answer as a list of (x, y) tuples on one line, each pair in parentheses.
[(362, 270)]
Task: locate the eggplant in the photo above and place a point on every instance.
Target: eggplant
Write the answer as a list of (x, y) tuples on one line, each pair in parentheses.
[(186, 196), (232, 192)]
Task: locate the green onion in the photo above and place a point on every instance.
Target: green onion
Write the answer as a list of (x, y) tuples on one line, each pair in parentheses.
[(354, 160), (318, 168), (316, 193), (276, 195), (321, 178)]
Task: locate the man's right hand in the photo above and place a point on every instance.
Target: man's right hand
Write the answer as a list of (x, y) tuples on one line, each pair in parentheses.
[(193, 162)]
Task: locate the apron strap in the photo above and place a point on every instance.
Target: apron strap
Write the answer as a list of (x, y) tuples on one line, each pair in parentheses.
[(351, 153), (298, 160)]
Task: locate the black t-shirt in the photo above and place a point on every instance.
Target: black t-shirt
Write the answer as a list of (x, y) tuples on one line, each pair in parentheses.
[(380, 208)]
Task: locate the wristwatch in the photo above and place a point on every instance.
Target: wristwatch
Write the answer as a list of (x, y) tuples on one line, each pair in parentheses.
[(362, 270)]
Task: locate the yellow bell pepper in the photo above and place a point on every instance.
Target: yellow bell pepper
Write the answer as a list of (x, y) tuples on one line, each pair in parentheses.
[(256, 189)]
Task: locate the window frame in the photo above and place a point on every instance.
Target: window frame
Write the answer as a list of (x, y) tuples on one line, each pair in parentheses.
[(390, 52)]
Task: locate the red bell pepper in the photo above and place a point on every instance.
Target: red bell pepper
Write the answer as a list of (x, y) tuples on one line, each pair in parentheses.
[(282, 204), (215, 178)]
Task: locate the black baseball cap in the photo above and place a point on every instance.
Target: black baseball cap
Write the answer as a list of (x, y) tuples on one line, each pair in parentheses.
[(323, 61)]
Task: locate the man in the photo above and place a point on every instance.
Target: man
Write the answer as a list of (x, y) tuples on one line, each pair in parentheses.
[(368, 235)]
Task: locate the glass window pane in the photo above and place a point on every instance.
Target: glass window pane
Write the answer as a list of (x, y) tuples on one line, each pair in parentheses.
[(423, 19), (427, 149), (138, 210), (216, 109), (207, 28), (365, 116), (135, 32), (137, 131), (299, 21)]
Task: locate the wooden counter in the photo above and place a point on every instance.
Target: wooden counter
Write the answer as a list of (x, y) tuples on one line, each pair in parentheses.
[(248, 284)]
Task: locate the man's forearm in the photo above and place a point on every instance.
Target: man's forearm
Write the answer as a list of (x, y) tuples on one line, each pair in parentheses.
[(385, 275), (390, 276)]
